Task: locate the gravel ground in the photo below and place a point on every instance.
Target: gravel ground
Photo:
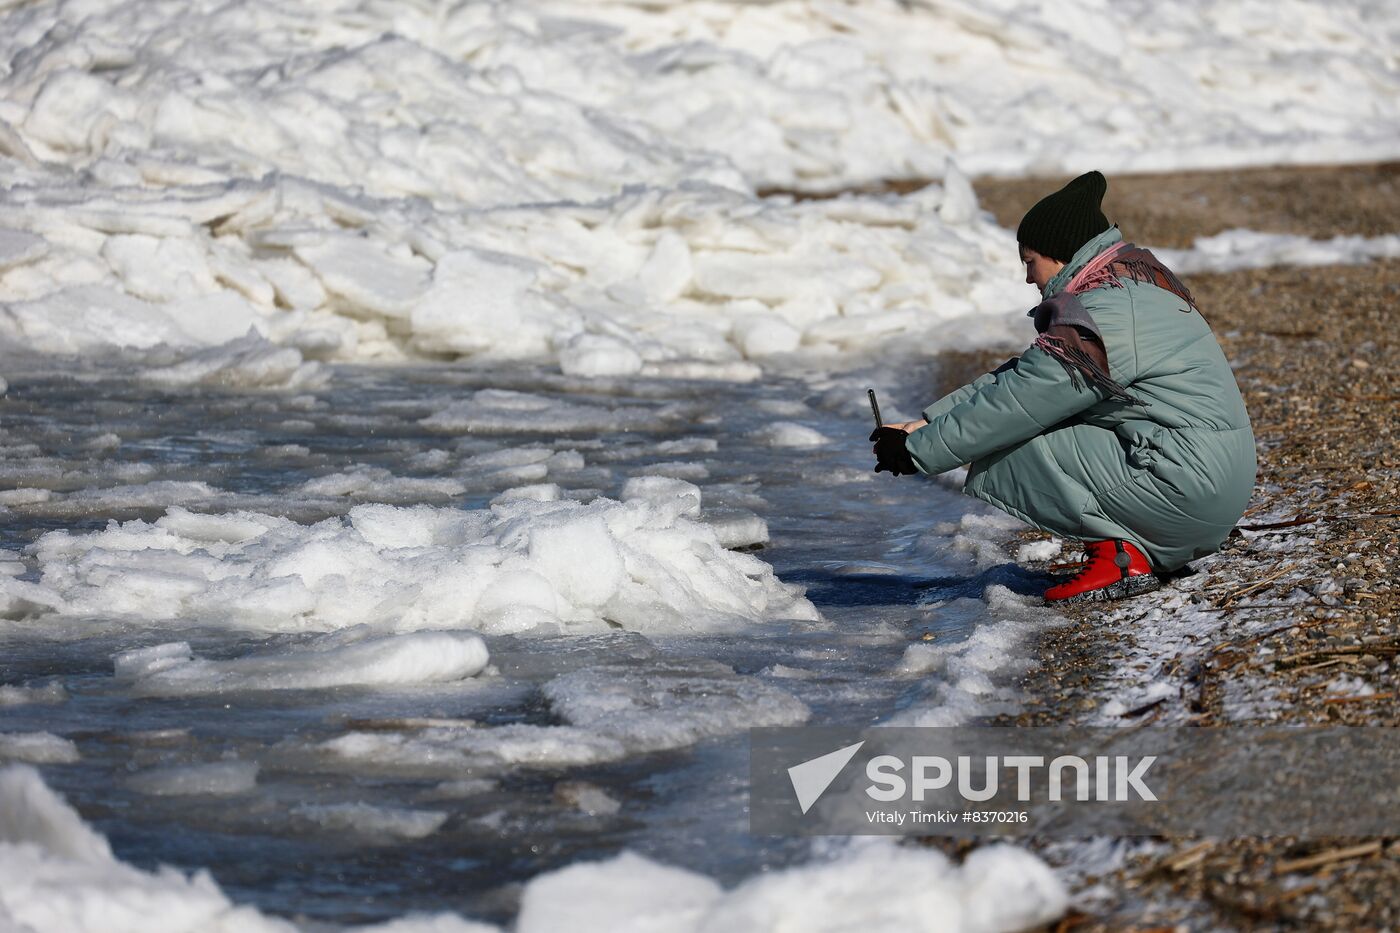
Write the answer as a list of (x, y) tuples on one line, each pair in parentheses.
[(1295, 620), (1171, 211)]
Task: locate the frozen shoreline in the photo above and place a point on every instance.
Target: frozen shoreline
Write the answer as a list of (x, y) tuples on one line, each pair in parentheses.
[(547, 181), (358, 630)]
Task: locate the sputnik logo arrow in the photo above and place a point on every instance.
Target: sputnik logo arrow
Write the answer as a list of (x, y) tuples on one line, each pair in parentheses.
[(811, 778)]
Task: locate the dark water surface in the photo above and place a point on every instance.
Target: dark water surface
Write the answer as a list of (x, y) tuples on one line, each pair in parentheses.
[(850, 539)]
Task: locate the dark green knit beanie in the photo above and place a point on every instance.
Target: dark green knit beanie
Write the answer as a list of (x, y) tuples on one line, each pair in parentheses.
[(1062, 222)]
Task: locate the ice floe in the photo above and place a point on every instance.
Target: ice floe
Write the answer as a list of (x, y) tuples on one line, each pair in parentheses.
[(644, 563), (789, 434), (18, 695), (606, 713), (878, 885), (414, 658), (40, 748), (218, 778), (58, 874), (370, 821)]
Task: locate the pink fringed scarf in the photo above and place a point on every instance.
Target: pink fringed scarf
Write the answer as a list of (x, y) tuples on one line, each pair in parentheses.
[(1126, 260), (1096, 273)]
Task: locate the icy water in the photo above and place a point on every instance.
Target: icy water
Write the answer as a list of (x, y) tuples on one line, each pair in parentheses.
[(874, 554)]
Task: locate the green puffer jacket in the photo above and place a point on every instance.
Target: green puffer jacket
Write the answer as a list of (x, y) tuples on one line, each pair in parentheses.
[(1172, 476)]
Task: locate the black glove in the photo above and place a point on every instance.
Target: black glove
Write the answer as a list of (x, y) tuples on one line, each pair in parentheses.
[(890, 452)]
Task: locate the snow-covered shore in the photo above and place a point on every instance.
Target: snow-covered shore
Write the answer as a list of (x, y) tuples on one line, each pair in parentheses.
[(365, 180)]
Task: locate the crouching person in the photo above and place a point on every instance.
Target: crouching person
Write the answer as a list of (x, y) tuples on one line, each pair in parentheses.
[(1121, 426)]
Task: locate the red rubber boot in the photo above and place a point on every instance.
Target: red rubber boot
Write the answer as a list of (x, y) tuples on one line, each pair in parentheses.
[(1115, 570)]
